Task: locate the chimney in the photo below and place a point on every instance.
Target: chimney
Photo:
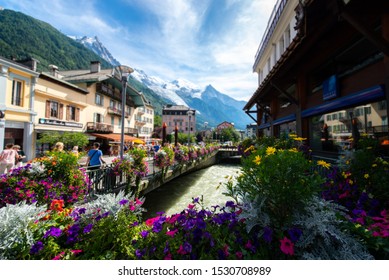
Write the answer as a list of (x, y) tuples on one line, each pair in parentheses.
[(95, 66), (53, 70)]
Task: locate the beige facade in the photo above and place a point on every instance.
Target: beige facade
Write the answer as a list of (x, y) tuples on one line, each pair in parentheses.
[(143, 121), (17, 84), (60, 107)]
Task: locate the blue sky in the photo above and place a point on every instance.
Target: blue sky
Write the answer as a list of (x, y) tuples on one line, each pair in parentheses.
[(202, 41)]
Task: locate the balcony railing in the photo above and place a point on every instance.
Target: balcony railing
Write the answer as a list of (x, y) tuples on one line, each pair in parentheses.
[(131, 131), (114, 111), (99, 127), (141, 111), (102, 88)]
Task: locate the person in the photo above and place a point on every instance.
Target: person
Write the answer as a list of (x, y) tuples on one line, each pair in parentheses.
[(95, 157), (20, 156), (7, 158), (324, 137), (355, 133), (75, 150), (58, 147)]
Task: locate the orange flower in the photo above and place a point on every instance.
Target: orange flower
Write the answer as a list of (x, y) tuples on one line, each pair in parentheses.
[(57, 205)]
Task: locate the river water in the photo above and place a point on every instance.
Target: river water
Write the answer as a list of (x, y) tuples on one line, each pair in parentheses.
[(174, 196)]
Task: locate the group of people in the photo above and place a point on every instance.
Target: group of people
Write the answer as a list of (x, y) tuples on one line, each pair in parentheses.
[(11, 157)]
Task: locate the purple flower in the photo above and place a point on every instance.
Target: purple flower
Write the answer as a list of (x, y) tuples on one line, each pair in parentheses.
[(196, 200), (230, 204), (267, 234), (187, 247), (144, 233), (139, 253), (88, 228), (53, 231), (38, 246), (123, 201), (294, 234)]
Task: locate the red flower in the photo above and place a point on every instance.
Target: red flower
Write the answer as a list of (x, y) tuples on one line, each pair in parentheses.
[(287, 246)]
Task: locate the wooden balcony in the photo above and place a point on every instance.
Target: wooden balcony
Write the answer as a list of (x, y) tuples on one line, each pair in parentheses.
[(99, 127), (104, 89)]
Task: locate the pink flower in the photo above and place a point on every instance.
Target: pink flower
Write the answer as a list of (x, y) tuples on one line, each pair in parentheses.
[(171, 220), (132, 208), (181, 250), (172, 232), (151, 221), (138, 202), (168, 257), (225, 250), (191, 206), (76, 251), (287, 246), (239, 255), (248, 244), (59, 256)]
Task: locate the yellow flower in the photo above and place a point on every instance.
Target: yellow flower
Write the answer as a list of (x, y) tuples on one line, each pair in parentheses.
[(366, 176), (293, 150), (257, 160), (270, 151), (300, 139), (324, 164), (374, 165), (351, 182), (292, 135)]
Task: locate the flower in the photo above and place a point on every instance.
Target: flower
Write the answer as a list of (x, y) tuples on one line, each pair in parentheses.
[(287, 247), (324, 164), (366, 176), (270, 151), (257, 160), (38, 246), (53, 231), (171, 232), (144, 234)]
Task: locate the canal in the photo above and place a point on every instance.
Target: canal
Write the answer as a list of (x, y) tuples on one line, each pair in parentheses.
[(174, 196)]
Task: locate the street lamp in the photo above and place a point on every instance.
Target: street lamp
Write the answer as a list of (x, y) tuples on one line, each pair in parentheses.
[(123, 72), (190, 114)]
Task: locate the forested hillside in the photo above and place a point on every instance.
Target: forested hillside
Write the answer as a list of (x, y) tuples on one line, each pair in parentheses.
[(22, 37)]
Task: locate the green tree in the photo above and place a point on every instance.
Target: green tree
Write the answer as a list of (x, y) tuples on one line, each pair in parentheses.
[(157, 121), (229, 134), (69, 139)]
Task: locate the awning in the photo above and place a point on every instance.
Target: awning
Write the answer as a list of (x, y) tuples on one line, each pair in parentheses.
[(117, 137)]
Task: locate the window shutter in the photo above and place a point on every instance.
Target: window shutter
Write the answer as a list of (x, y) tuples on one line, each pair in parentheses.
[(94, 117), (77, 114), (67, 112), (60, 115), (47, 109)]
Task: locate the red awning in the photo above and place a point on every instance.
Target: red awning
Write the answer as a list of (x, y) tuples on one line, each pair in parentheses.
[(116, 137)]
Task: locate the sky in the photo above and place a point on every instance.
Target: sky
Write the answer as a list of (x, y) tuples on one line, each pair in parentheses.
[(202, 41)]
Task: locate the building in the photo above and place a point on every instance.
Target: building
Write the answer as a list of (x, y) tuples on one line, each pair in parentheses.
[(60, 107), (17, 89), (104, 110), (224, 125), (143, 120), (181, 116), (323, 62)]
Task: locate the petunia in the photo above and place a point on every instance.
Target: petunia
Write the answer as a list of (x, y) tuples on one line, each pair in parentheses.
[(144, 233), (287, 247), (172, 232)]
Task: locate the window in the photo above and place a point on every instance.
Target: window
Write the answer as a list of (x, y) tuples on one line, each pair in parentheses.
[(99, 99), (112, 120), (382, 105), (98, 118), (16, 93), (54, 109), (287, 37), (112, 104), (384, 120), (73, 113)]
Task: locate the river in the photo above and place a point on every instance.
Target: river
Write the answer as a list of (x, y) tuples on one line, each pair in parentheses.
[(174, 196)]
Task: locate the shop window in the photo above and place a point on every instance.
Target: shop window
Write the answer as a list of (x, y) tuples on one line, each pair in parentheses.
[(17, 93)]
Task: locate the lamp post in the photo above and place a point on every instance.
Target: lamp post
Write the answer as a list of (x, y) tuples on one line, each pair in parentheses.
[(124, 71), (190, 114)]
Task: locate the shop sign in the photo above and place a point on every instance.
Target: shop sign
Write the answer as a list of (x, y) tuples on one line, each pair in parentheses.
[(60, 123), (330, 88)]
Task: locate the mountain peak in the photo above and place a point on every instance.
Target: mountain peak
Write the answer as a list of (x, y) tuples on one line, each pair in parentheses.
[(97, 47)]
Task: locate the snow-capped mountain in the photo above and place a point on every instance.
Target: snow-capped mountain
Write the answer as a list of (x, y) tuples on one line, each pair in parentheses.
[(97, 47), (211, 105)]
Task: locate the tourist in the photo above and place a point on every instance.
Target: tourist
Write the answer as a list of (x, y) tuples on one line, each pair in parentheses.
[(58, 147), (75, 150), (7, 158), (20, 156), (95, 159)]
